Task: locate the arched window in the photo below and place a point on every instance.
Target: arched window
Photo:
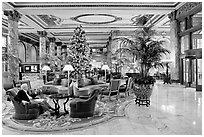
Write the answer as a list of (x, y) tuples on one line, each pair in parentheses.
[(33, 54), (21, 51)]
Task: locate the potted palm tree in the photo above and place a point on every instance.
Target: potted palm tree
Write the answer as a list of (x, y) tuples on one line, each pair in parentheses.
[(147, 52)]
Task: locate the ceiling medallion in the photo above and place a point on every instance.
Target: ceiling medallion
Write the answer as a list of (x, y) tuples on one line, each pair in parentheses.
[(96, 18)]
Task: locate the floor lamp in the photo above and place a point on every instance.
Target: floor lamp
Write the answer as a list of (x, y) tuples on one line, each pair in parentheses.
[(105, 67), (68, 68), (46, 68)]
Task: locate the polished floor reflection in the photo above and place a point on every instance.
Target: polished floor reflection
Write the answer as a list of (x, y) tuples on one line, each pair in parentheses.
[(174, 110)]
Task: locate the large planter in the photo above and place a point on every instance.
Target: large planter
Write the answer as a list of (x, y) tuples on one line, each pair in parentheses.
[(142, 93)]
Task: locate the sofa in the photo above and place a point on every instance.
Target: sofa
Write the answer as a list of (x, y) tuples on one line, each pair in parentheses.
[(59, 85), (84, 106), (23, 112)]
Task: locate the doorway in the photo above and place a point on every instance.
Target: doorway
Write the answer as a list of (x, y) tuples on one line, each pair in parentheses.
[(192, 72)]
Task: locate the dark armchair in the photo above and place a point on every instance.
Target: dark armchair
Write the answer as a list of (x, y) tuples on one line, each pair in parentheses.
[(84, 107), (23, 112)]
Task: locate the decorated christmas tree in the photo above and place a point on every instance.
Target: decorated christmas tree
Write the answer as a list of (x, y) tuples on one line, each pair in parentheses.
[(78, 54)]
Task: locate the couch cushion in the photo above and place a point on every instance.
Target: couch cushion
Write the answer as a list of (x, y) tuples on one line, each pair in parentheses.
[(64, 82), (84, 82), (49, 89), (87, 82)]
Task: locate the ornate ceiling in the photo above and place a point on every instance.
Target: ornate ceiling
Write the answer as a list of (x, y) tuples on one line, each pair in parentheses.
[(98, 19)]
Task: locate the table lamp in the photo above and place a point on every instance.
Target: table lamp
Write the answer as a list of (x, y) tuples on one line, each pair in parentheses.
[(105, 67), (68, 68), (46, 68)]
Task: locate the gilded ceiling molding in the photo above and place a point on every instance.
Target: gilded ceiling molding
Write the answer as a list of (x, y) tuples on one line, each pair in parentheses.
[(186, 8), (95, 4), (50, 19), (13, 15)]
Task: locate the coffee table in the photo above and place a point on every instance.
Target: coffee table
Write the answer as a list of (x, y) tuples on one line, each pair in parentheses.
[(55, 98)]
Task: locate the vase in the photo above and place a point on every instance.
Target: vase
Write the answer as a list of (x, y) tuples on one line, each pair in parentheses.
[(142, 93)]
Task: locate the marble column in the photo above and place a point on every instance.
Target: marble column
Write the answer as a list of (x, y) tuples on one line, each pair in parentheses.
[(12, 46), (59, 50), (52, 52), (174, 42), (42, 48), (52, 46), (64, 53), (109, 53)]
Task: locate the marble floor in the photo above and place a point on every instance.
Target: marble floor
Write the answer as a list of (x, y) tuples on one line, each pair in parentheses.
[(174, 110)]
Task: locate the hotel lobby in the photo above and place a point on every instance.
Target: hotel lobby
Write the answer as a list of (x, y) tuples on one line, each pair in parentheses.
[(101, 68)]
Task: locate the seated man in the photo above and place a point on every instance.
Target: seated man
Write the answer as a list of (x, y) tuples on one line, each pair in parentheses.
[(24, 97)]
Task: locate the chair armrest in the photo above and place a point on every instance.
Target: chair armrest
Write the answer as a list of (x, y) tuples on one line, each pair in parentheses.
[(32, 105), (122, 86), (73, 104), (49, 83), (83, 97)]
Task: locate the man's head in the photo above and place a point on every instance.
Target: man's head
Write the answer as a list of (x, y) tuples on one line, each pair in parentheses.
[(24, 87)]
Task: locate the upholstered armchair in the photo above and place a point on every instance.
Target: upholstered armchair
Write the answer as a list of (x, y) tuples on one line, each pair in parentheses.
[(84, 106), (112, 90), (23, 112)]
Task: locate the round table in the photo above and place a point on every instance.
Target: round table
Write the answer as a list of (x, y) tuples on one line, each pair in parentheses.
[(55, 98)]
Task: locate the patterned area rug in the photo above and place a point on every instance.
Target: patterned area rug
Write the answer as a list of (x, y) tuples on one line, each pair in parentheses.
[(104, 111)]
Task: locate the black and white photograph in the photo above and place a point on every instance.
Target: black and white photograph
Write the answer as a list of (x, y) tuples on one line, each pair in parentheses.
[(101, 67)]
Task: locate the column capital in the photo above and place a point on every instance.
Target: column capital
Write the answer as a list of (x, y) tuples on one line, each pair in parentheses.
[(58, 43), (172, 15), (13, 15), (52, 39), (42, 33)]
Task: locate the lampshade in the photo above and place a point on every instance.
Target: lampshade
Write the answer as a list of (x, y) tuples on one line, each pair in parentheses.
[(105, 67), (46, 68), (68, 68)]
